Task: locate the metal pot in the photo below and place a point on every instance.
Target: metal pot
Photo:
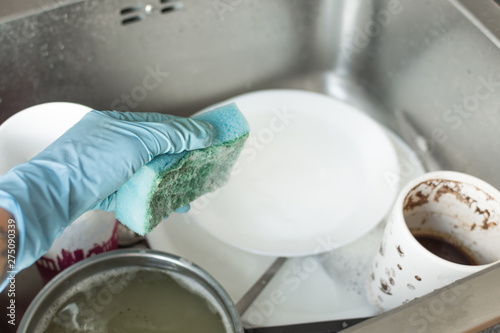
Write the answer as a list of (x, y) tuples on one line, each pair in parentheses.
[(104, 264)]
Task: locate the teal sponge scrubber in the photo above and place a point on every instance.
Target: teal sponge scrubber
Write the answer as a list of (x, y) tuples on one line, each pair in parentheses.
[(170, 181)]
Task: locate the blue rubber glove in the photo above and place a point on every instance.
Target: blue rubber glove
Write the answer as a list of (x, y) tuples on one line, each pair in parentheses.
[(84, 167)]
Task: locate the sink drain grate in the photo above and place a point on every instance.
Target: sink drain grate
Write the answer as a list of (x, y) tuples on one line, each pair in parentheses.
[(132, 14), (170, 6)]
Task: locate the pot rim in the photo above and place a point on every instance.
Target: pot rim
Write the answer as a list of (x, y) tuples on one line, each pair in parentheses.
[(166, 261)]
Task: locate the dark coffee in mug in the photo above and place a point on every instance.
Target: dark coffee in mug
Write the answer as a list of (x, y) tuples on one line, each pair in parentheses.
[(444, 247)]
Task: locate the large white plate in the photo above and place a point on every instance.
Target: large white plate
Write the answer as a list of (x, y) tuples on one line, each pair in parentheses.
[(31, 130), (315, 174)]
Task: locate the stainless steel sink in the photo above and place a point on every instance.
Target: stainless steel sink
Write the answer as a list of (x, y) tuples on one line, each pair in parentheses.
[(439, 61)]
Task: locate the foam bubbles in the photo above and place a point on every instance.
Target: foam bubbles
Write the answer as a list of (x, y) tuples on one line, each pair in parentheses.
[(135, 299)]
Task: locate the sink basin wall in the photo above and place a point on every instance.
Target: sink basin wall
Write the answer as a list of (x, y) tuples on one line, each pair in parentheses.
[(438, 61)]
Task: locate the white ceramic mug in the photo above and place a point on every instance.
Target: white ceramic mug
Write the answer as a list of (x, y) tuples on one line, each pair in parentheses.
[(92, 233), (438, 215)]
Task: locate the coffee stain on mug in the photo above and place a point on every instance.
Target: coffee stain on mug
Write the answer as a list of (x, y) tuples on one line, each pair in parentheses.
[(400, 252), (384, 287)]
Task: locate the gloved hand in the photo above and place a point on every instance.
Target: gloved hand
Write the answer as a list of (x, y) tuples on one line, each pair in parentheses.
[(84, 167)]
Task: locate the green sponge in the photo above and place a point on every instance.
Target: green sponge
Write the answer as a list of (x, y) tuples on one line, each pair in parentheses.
[(170, 181)]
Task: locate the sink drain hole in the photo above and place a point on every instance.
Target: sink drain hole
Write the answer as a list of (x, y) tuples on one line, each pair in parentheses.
[(128, 10), (170, 6), (131, 20)]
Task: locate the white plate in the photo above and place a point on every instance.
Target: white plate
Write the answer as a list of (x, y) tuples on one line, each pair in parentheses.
[(31, 130), (314, 175)]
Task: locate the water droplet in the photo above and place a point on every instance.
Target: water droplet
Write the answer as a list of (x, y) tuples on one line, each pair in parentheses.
[(44, 50)]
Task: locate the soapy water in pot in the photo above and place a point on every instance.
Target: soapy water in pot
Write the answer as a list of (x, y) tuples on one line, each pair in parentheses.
[(135, 300)]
